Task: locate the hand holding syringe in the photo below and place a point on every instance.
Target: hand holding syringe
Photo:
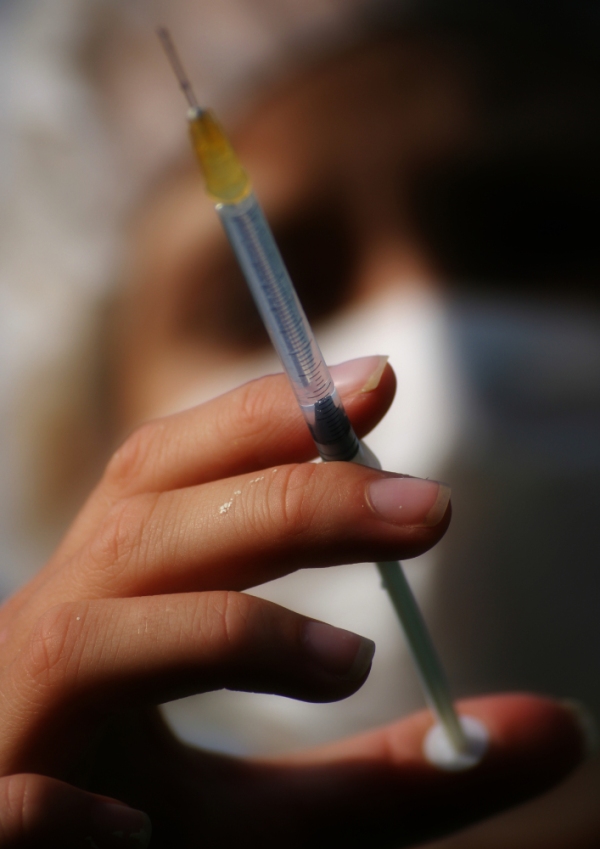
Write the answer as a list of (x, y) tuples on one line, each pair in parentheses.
[(143, 603), (248, 232)]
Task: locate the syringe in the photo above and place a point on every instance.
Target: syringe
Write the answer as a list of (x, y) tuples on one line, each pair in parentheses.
[(257, 253)]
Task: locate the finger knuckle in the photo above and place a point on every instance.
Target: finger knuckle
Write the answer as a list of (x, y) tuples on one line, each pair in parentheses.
[(55, 644), (250, 413), (134, 454), (298, 497), (224, 620), (282, 505), (121, 540)]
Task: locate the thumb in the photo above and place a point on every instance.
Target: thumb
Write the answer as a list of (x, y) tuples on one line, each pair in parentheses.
[(39, 811)]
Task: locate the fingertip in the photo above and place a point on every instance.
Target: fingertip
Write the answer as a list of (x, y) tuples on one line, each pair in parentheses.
[(588, 726), (362, 374), (337, 652), (369, 394)]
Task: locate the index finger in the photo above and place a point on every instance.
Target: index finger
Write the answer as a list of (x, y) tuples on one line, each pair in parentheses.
[(255, 426)]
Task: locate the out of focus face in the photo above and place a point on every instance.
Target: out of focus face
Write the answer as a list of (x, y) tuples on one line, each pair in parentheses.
[(330, 156)]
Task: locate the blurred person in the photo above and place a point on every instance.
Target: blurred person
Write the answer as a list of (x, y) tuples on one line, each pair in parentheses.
[(368, 226)]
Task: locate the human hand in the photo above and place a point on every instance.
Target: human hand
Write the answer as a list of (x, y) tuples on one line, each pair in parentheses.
[(143, 603)]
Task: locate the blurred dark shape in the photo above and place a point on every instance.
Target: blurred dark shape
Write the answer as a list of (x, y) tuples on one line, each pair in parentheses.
[(520, 220), (499, 16), (520, 208)]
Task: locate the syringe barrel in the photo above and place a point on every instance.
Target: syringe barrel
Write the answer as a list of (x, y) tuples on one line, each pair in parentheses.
[(287, 325)]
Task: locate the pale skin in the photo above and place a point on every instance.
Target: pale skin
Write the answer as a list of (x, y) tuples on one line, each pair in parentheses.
[(143, 603)]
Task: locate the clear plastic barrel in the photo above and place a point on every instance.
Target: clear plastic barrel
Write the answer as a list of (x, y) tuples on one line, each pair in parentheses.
[(288, 327), (293, 339), (290, 332)]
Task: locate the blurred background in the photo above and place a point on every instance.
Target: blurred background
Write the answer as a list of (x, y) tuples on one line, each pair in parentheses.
[(430, 171)]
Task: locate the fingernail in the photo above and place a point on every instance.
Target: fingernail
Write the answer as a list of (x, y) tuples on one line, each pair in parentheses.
[(587, 725), (409, 501), (337, 651), (122, 823), (360, 375)]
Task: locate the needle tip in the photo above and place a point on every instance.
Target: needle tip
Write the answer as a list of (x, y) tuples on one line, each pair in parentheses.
[(175, 62)]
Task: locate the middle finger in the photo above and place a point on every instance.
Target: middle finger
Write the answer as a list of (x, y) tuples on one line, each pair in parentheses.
[(246, 530)]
